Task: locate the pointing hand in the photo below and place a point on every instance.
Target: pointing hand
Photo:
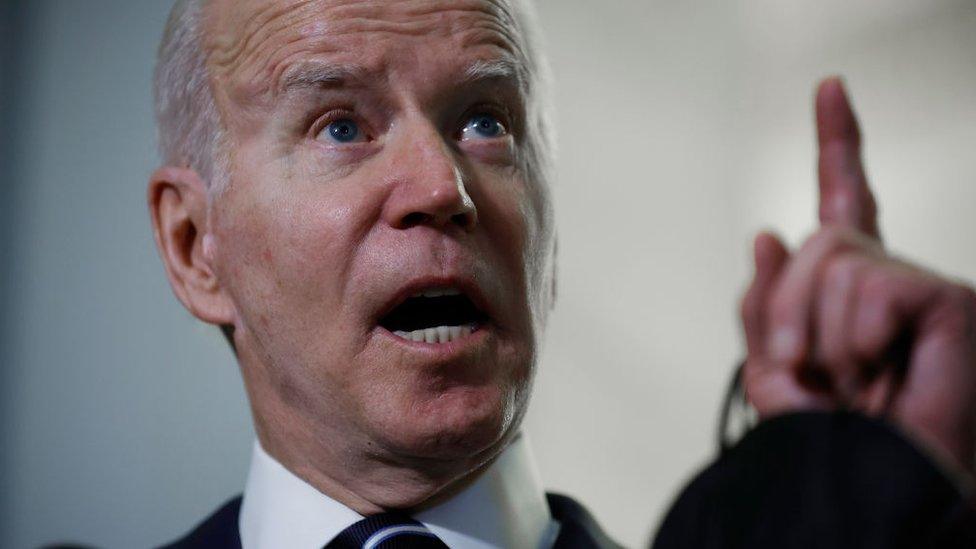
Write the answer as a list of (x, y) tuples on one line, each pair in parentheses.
[(840, 323)]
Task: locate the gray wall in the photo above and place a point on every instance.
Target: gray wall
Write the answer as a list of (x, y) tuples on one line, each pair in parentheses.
[(684, 127), (124, 420)]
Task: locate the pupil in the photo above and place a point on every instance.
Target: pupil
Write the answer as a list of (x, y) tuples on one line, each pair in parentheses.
[(485, 125), (343, 130)]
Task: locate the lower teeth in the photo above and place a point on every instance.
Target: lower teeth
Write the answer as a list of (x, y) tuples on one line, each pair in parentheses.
[(440, 334)]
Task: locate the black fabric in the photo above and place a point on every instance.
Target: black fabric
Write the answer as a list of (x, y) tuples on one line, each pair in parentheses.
[(218, 531), (800, 481), (577, 529), (820, 480), (356, 535)]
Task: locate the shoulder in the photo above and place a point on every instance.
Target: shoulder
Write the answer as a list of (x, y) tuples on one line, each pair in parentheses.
[(577, 527), (218, 531)]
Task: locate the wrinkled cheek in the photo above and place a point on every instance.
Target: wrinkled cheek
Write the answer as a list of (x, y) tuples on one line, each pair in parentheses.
[(252, 272), (281, 260), (512, 220), (244, 256), (538, 252), (534, 235), (514, 364), (518, 385)]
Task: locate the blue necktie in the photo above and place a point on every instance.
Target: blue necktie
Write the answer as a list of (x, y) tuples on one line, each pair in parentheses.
[(386, 531)]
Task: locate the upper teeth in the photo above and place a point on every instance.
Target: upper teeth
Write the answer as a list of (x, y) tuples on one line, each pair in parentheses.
[(440, 334), (437, 292)]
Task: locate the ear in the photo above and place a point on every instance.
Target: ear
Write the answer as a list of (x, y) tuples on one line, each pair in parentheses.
[(178, 206)]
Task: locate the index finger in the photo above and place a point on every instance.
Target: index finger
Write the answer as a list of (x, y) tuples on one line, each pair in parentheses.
[(845, 197)]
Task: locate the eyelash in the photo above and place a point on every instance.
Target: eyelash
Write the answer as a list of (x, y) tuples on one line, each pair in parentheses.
[(501, 113), (333, 115)]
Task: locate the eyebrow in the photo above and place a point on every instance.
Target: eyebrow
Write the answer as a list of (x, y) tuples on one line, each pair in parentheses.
[(309, 75), (319, 75), (496, 69)]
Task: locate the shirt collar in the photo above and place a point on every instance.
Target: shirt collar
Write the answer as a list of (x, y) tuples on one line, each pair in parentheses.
[(504, 507)]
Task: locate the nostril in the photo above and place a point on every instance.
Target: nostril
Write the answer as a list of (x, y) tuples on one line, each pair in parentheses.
[(462, 220), (413, 219)]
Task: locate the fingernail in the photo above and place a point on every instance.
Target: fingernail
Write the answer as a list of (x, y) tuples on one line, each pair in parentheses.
[(783, 345)]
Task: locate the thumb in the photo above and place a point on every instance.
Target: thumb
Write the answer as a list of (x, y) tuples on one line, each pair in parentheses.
[(769, 255)]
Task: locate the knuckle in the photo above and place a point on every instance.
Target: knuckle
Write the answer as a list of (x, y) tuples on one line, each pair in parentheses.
[(874, 312), (829, 236), (840, 272), (835, 237), (828, 239), (875, 287), (840, 234)]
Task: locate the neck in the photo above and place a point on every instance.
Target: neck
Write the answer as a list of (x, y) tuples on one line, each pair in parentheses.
[(349, 467), (370, 484), (504, 507)]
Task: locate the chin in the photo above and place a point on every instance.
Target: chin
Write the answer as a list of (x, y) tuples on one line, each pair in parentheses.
[(456, 424)]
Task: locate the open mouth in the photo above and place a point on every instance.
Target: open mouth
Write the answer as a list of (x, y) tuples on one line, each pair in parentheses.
[(435, 315)]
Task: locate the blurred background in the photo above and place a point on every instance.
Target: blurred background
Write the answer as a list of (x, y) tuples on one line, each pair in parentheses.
[(684, 128)]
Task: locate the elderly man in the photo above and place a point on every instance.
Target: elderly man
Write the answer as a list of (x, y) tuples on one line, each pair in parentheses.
[(356, 193)]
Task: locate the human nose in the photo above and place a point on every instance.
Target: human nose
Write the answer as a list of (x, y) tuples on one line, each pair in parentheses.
[(429, 186)]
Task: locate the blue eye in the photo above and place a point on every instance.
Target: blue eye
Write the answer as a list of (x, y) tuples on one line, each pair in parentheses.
[(482, 126), (343, 131)]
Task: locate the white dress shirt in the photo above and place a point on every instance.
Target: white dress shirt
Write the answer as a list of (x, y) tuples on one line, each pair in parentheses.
[(505, 507)]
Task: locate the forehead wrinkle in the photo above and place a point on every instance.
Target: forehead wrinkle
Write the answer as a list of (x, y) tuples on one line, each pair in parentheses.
[(494, 9), (356, 19), (496, 36), (499, 27), (339, 19), (317, 26), (227, 53)]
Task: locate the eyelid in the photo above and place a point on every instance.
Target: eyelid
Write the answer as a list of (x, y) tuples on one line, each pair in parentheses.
[(322, 122), (498, 111)]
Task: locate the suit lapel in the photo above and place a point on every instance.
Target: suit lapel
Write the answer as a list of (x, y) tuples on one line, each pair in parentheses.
[(577, 528)]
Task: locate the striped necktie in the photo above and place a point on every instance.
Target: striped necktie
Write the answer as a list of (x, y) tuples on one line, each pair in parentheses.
[(386, 531)]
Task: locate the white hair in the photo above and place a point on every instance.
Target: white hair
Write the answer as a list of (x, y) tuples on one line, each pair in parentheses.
[(189, 126), (191, 132), (541, 134)]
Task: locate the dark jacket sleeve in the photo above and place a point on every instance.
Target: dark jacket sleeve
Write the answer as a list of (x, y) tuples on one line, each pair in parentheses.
[(820, 480)]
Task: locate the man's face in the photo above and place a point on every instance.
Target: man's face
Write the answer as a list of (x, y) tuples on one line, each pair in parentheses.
[(381, 192)]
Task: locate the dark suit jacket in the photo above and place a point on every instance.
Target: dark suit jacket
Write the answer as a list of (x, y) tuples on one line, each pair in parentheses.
[(578, 530), (819, 480), (802, 481)]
